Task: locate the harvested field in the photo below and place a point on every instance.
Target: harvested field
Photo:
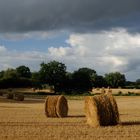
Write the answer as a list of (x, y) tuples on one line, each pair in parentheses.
[(26, 120), (115, 91)]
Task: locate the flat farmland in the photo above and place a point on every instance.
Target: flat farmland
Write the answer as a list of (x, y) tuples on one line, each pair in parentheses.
[(26, 120), (115, 91)]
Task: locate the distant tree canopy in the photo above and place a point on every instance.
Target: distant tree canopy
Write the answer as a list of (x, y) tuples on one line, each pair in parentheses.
[(138, 81), (82, 79), (89, 71), (23, 71), (1, 74), (53, 73), (10, 74), (99, 81), (14, 78), (115, 79)]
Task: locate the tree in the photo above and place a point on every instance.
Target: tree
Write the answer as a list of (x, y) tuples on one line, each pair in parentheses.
[(115, 79), (82, 79), (99, 81), (23, 71), (1, 74), (8, 78), (11, 79), (89, 71), (53, 73), (138, 82), (10, 74), (35, 78)]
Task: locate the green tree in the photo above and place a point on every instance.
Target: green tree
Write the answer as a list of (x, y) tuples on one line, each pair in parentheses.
[(1, 74), (23, 71), (99, 81), (8, 79), (115, 79), (82, 79), (53, 73), (35, 78), (89, 71), (10, 74), (138, 82)]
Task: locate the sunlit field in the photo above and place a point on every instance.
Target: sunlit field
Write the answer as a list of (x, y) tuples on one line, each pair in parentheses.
[(117, 91), (26, 120)]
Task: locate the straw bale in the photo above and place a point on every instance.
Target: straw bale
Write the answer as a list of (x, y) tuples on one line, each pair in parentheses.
[(19, 97), (9, 95), (56, 106), (62, 107), (116, 116), (101, 110)]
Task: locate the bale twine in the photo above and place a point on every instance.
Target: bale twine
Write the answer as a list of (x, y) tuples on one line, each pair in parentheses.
[(56, 106), (9, 95), (101, 110), (18, 97)]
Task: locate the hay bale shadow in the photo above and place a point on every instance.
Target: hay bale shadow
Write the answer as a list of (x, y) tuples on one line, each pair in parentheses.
[(126, 123), (76, 116)]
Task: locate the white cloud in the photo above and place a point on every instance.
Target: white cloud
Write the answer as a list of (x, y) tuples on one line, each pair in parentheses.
[(2, 49), (115, 50), (11, 59)]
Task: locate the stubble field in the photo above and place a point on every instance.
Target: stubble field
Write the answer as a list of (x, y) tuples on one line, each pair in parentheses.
[(26, 120)]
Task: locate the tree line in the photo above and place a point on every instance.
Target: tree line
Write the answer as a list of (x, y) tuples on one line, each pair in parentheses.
[(55, 74)]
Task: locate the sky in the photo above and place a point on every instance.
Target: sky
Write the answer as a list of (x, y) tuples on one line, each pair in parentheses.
[(102, 35)]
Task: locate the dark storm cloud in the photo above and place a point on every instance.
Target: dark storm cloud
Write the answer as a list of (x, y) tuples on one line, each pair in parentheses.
[(80, 15)]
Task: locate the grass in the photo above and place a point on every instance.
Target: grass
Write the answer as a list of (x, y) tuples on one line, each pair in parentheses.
[(26, 120)]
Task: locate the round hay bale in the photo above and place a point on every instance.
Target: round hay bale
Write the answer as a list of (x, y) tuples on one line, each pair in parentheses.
[(62, 107), (103, 90), (116, 116), (91, 111), (19, 97), (100, 110), (56, 106), (50, 106), (109, 91), (9, 95)]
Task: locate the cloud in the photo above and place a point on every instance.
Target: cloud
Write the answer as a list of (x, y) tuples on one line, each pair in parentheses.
[(38, 35), (106, 51), (2, 50), (14, 58), (80, 16)]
